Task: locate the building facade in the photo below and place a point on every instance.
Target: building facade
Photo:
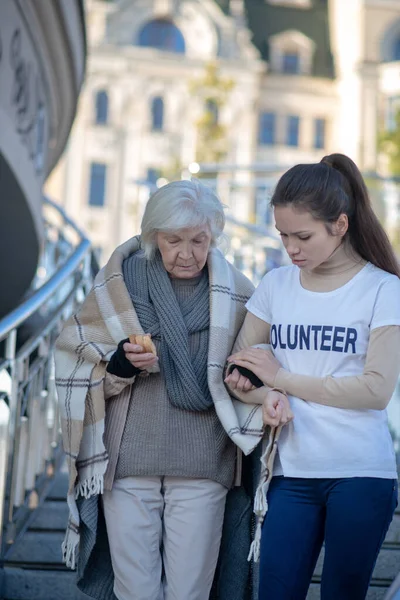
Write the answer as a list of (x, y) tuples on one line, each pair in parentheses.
[(276, 82)]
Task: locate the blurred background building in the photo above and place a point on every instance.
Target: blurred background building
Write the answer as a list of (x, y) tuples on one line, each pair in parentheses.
[(233, 90)]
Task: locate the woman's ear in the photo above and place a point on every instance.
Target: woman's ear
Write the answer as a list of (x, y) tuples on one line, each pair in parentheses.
[(341, 226)]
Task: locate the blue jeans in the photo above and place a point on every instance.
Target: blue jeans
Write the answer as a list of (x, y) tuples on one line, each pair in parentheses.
[(350, 515)]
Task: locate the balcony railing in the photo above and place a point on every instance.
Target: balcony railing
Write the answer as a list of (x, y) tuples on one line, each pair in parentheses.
[(29, 419)]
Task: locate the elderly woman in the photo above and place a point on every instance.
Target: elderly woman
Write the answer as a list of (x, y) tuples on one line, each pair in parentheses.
[(154, 433)]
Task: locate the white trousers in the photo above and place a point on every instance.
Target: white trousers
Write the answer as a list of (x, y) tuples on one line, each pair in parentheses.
[(181, 516)]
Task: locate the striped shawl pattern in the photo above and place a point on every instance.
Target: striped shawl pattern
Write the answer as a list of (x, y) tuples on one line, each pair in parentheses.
[(88, 340)]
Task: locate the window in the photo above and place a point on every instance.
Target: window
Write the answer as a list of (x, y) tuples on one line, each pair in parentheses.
[(291, 62), (212, 109), (97, 187), (396, 49), (266, 132), (153, 175), (319, 134), (162, 35), (101, 107), (292, 135), (157, 114), (392, 109), (291, 52)]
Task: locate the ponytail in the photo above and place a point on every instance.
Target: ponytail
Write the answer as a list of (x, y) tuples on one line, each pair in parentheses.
[(333, 187), (366, 234)]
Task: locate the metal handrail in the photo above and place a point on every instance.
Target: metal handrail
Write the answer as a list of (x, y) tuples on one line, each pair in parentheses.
[(29, 419), (14, 319), (25, 310)]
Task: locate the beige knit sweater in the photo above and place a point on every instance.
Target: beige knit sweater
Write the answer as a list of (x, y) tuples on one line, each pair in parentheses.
[(160, 439)]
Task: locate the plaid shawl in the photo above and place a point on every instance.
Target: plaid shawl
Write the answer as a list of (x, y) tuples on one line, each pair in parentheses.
[(89, 339)]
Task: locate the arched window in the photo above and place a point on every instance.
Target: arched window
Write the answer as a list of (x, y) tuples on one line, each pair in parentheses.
[(101, 107), (163, 35), (396, 49), (157, 113), (291, 52)]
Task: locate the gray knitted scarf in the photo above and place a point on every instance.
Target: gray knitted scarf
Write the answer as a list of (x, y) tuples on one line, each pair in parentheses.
[(159, 313)]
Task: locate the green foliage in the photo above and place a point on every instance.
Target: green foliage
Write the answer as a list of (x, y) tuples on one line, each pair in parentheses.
[(214, 92), (173, 170), (389, 144)]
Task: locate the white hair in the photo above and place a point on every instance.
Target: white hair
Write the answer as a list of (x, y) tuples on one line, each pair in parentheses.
[(181, 205)]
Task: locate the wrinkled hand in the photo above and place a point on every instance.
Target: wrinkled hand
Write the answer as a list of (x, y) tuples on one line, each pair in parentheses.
[(238, 382), (262, 362), (137, 358), (276, 409)]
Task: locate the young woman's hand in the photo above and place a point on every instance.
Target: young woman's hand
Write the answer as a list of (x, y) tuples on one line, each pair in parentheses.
[(276, 409), (262, 362), (236, 381), (137, 358)]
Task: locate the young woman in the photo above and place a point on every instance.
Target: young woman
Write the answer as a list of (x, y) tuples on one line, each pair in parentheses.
[(333, 321)]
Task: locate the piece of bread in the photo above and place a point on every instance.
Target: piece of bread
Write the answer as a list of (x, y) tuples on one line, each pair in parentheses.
[(145, 342)]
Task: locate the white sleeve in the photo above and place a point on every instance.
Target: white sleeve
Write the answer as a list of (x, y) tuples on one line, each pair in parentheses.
[(259, 304), (387, 304)]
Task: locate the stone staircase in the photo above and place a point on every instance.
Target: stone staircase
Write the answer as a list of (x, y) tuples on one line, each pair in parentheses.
[(33, 569), (386, 569)]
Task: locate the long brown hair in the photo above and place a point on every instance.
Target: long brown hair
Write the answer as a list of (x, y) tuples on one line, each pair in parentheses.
[(333, 187)]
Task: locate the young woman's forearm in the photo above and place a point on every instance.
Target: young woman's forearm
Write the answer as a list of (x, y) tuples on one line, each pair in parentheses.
[(372, 389), (253, 331)]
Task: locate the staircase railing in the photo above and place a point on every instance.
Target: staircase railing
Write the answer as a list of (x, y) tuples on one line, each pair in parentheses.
[(29, 420)]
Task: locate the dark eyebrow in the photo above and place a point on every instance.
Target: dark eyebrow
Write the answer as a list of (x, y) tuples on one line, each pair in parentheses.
[(295, 232)]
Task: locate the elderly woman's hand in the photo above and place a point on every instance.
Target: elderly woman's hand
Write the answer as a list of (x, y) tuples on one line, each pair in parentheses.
[(128, 360), (276, 409), (238, 382), (261, 362), (138, 358)]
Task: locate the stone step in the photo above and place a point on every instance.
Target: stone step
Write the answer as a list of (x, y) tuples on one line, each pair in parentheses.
[(59, 488), (393, 535), (39, 553), (37, 548), (24, 584), (52, 515), (386, 569), (42, 543), (374, 592)]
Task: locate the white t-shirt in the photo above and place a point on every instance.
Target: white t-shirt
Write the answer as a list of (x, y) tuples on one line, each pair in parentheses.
[(327, 333)]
